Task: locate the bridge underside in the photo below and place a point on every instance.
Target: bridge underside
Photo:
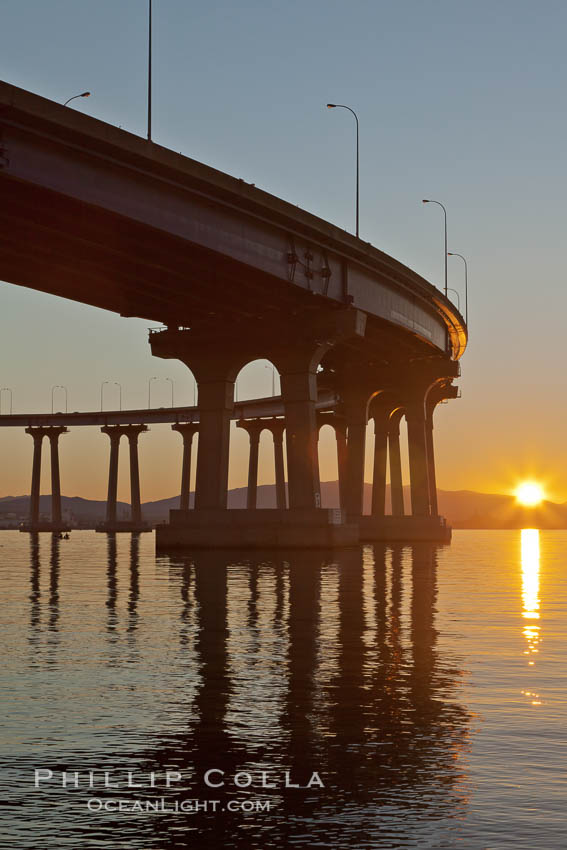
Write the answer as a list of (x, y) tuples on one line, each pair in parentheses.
[(74, 250), (94, 214)]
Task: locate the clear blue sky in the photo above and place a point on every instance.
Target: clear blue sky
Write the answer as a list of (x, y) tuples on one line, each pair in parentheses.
[(459, 101)]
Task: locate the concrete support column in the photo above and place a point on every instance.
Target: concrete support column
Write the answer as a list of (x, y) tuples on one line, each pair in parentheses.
[(277, 429), (380, 460), (135, 499), (114, 432), (419, 477), (187, 431), (356, 418), (396, 483), (54, 434), (216, 402), (254, 427), (341, 438), (434, 508), (299, 391), (338, 424), (252, 491), (38, 435)]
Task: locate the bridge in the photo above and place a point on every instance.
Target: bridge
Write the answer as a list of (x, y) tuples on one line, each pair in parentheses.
[(233, 274)]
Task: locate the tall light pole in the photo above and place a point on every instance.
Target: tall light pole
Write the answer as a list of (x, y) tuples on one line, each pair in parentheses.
[(342, 106), (450, 289), (116, 383), (84, 94), (149, 70), (59, 387), (6, 390), (154, 378), (439, 204), (171, 382), (454, 254)]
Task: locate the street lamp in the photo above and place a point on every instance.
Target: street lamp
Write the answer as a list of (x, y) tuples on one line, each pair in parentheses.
[(454, 254), (342, 106), (154, 378), (149, 70), (101, 389), (428, 201), (171, 382), (83, 94), (7, 390), (59, 387), (450, 289), (116, 383)]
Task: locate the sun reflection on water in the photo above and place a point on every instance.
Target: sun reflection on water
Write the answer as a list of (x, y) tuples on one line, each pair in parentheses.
[(530, 597)]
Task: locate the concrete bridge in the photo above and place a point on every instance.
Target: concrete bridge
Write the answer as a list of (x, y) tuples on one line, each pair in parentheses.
[(93, 213), (255, 415)]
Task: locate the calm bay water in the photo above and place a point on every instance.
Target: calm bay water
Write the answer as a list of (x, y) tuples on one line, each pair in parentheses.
[(425, 686)]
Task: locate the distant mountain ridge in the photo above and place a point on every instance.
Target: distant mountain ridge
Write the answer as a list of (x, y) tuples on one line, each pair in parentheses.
[(462, 508)]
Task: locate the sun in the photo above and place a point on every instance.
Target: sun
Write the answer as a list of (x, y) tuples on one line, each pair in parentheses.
[(529, 493)]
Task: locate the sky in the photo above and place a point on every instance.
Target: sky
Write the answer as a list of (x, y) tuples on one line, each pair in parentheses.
[(458, 101)]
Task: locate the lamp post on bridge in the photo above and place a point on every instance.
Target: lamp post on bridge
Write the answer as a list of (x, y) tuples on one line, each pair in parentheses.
[(439, 204), (116, 384), (342, 106), (157, 378), (75, 96), (171, 382), (6, 390), (454, 254), (153, 378), (450, 289), (59, 387), (149, 71)]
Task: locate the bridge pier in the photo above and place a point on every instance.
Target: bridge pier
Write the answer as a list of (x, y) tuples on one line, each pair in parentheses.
[(417, 450), (396, 482), (418, 399), (339, 426), (277, 428), (216, 403), (114, 432), (299, 392), (112, 524), (304, 523), (187, 431), (38, 435), (356, 419), (52, 433), (380, 418), (254, 428)]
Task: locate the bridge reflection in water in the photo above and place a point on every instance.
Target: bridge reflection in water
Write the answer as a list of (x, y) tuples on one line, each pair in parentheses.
[(306, 662)]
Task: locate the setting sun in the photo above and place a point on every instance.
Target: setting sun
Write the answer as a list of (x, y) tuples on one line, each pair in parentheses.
[(529, 493)]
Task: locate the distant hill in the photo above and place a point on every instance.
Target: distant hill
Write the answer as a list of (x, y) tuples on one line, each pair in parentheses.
[(462, 508)]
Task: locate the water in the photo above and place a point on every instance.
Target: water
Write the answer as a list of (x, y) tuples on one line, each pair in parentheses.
[(423, 686)]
